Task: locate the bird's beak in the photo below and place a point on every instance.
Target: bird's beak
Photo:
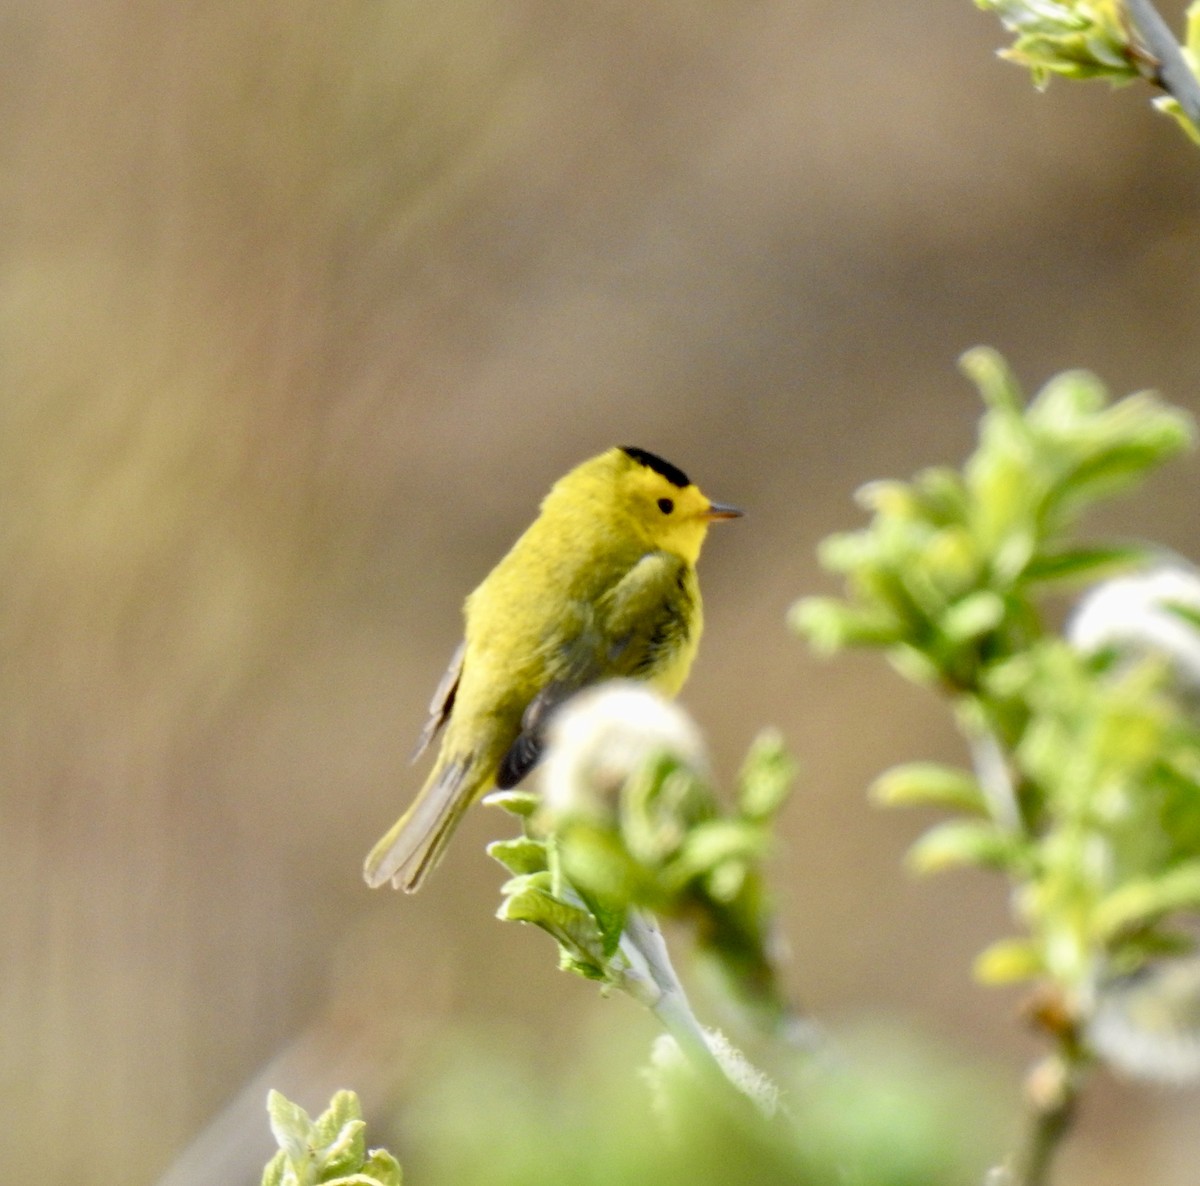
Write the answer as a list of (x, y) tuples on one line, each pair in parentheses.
[(721, 510)]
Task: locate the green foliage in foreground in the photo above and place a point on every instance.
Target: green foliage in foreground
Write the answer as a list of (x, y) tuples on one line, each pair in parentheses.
[(488, 1117), (1086, 39), (1085, 787), (328, 1151), (667, 847), (1074, 39)]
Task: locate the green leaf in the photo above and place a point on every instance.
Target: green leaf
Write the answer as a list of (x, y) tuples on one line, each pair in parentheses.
[(1140, 902), (1008, 961), (1102, 476), (726, 881), (610, 919), (340, 1145), (1015, 551), (595, 861), (1079, 563), (961, 844), (543, 881), (330, 1151), (294, 1134), (344, 1153), (943, 495), (766, 777), (343, 1109), (1080, 39), (991, 375), (659, 804), (915, 665), (1067, 401), (575, 930), (846, 551), (521, 803), (713, 843), (888, 497), (1170, 106), (1191, 45), (274, 1170), (831, 625), (1141, 947), (929, 784), (523, 854), (973, 616), (383, 1168)]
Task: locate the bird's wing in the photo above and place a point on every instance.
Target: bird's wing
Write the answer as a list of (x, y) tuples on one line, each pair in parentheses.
[(443, 701), (634, 627), (523, 755), (647, 616)]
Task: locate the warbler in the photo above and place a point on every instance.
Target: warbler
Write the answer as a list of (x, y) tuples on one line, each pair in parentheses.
[(601, 585)]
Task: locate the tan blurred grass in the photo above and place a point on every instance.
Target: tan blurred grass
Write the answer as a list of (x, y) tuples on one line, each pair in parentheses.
[(301, 309)]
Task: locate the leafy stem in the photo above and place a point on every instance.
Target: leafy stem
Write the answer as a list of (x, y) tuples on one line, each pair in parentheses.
[(1052, 1092), (1084, 787), (1172, 71), (630, 829), (652, 980), (1119, 41)]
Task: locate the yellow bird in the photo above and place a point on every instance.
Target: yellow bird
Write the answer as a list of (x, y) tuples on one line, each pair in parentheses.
[(602, 585)]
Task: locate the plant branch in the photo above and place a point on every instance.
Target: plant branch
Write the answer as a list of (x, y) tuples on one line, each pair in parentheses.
[(1052, 1095), (652, 979), (1174, 74), (995, 779), (1049, 1121)]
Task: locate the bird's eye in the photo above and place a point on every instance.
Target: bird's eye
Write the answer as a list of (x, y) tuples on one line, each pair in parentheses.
[(666, 505)]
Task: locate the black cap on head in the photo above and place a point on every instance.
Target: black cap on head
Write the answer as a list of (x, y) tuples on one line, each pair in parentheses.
[(672, 473)]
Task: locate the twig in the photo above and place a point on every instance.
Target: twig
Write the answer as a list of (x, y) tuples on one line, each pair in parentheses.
[(995, 779), (652, 979), (1052, 1095), (1174, 74)]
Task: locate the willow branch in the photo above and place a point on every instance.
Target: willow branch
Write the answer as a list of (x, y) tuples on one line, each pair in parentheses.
[(1051, 1098), (1174, 74), (652, 979)]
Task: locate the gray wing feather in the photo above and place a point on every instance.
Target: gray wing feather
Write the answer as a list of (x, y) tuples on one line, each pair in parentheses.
[(442, 702)]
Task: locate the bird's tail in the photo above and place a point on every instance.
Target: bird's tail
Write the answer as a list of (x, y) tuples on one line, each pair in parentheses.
[(414, 844)]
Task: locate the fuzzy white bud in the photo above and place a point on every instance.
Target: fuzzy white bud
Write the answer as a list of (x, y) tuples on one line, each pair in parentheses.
[(1148, 1024), (1135, 616), (668, 1063), (603, 736)]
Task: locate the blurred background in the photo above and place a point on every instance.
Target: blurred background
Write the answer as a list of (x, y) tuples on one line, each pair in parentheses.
[(302, 309)]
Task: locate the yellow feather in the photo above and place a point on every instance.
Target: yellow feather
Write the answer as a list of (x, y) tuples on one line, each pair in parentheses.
[(601, 585)]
